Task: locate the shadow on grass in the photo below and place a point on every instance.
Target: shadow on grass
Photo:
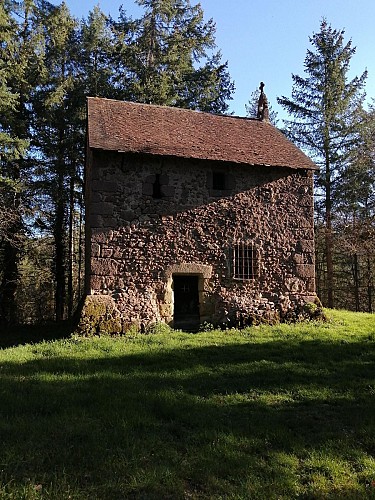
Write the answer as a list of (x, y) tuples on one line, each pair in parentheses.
[(270, 420), (13, 336)]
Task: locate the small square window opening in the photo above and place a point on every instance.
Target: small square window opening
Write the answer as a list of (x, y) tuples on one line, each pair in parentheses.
[(218, 181), (156, 188)]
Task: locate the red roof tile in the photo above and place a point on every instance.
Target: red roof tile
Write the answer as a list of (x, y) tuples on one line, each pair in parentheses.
[(161, 130)]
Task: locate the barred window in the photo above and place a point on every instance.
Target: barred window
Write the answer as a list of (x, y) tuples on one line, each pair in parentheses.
[(245, 261)]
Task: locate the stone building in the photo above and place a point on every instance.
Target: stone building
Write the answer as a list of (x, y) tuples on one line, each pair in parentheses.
[(194, 217)]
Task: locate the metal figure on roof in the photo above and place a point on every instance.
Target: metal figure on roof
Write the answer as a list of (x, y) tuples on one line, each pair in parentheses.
[(263, 111)]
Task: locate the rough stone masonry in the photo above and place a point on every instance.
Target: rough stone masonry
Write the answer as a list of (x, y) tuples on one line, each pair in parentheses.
[(238, 232)]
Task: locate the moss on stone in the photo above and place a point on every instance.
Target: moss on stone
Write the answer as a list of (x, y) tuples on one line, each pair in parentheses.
[(111, 325), (99, 315), (94, 308), (314, 310)]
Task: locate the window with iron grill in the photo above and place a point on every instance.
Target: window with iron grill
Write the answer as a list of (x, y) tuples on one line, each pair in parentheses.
[(244, 261)]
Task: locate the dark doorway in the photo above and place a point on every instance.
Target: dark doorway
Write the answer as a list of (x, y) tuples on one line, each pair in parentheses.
[(186, 302)]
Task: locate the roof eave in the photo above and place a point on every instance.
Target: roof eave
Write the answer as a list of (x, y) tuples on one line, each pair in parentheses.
[(199, 158)]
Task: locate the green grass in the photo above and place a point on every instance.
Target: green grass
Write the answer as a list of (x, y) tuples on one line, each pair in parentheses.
[(270, 412)]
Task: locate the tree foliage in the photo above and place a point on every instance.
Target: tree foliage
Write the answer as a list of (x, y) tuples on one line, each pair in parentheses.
[(325, 106), (355, 219), (18, 61), (168, 57)]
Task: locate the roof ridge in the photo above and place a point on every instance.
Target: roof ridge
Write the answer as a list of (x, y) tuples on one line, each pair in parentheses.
[(164, 106)]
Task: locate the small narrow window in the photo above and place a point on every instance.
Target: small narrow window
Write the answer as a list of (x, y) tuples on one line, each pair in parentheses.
[(156, 188), (245, 261), (218, 181)]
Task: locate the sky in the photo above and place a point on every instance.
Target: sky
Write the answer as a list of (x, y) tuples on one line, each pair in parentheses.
[(267, 40)]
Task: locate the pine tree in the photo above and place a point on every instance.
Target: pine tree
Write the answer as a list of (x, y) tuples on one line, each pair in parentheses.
[(11, 150), (19, 69), (11, 147), (58, 125), (325, 106), (96, 71), (167, 57)]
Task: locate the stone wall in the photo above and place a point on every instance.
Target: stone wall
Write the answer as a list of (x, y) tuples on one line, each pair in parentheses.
[(150, 218)]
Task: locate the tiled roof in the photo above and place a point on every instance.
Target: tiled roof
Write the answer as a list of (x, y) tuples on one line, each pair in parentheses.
[(161, 130)]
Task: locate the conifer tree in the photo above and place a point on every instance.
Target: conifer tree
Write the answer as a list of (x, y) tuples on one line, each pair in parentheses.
[(19, 69), (58, 122), (324, 106), (168, 57), (96, 71)]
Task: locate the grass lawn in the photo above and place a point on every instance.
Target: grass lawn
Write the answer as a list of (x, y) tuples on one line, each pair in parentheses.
[(276, 412)]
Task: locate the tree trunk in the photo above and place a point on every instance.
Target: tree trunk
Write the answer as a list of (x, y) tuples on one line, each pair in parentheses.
[(59, 237), (369, 285), (81, 243), (8, 285), (355, 271), (328, 232), (11, 253), (70, 248)]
